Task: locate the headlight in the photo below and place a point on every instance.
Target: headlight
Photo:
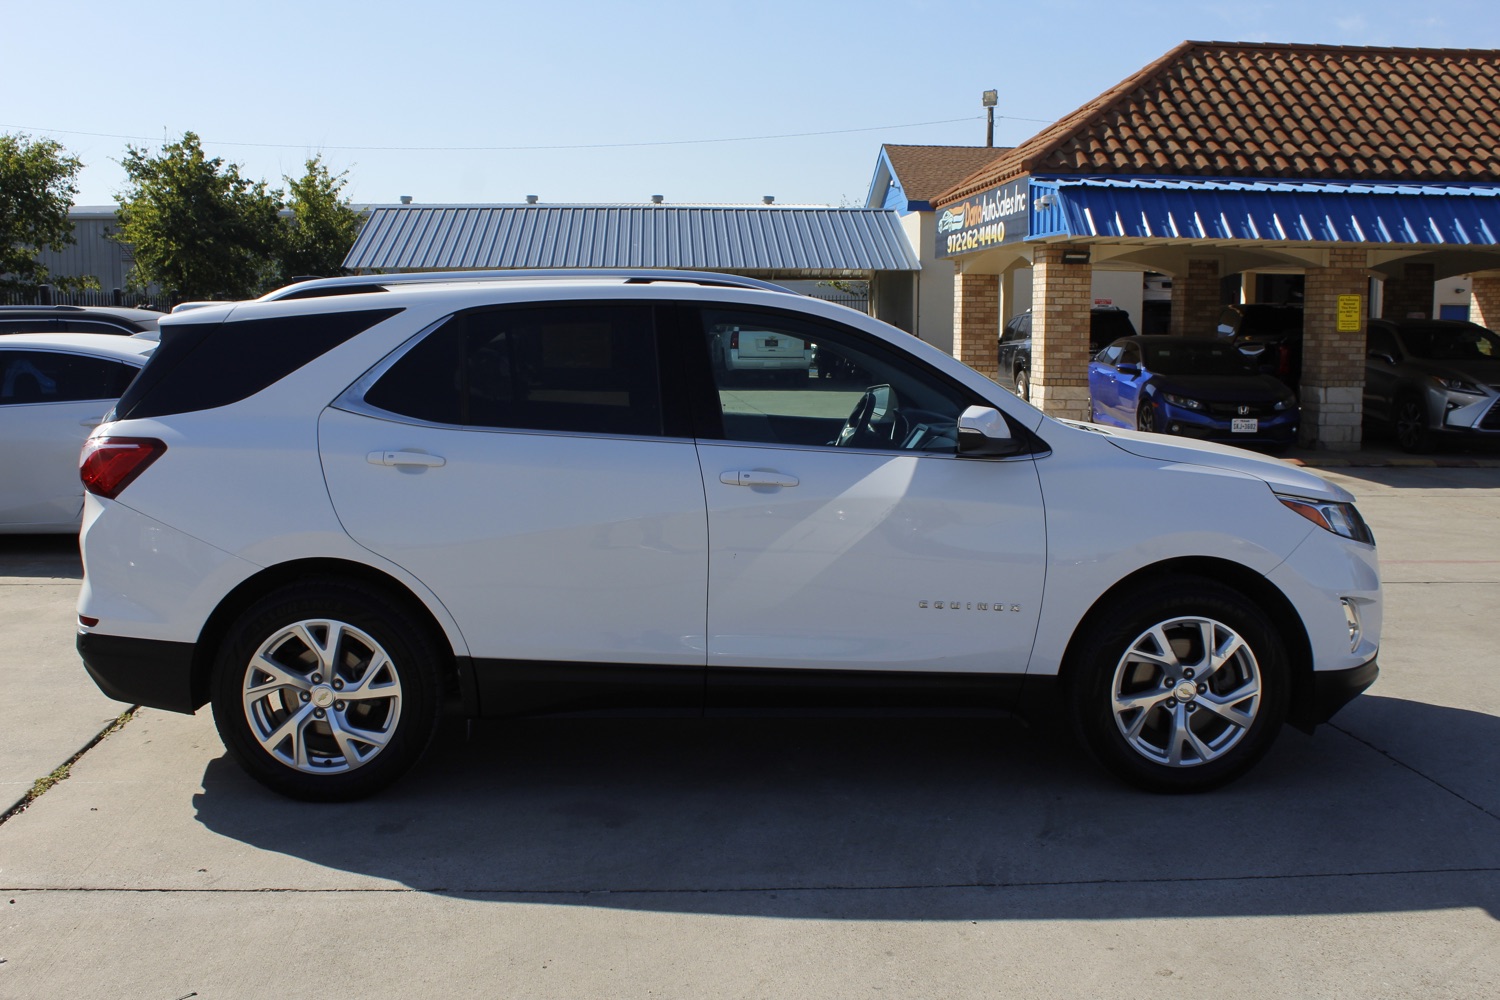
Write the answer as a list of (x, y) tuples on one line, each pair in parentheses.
[(1339, 518), (1182, 401), (1287, 403), (1458, 385)]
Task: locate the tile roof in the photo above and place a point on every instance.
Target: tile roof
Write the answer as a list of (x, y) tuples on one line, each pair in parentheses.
[(926, 171), (1229, 109)]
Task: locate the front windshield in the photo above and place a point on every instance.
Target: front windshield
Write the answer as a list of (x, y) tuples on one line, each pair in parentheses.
[(1186, 357), (1451, 343)]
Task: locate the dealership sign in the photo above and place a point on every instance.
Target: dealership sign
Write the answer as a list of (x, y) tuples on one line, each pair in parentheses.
[(989, 219)]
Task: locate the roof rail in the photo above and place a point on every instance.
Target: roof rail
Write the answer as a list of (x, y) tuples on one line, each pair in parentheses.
[(354, 284)]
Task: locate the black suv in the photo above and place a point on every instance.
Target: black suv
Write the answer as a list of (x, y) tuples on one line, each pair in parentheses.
[(1107, 324), (1270, 335), (77, 319)]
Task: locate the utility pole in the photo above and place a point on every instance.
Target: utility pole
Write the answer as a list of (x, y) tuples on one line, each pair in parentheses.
[(990, 99)]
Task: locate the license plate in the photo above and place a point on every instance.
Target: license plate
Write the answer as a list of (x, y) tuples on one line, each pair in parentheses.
[(771, 342), (1244, 425)]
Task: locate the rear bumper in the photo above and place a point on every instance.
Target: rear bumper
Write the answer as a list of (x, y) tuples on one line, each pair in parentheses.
[(150, 672)]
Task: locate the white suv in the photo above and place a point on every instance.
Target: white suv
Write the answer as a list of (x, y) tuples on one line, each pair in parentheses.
[(338, 510)]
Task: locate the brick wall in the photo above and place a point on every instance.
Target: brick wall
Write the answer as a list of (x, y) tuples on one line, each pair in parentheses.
[(1484, 302), (976, 321), (1408, 293), (1061, 297), (1333, 366), (1196, 300)]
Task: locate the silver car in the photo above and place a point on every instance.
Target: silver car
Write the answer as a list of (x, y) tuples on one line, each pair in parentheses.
[(1428, 379)]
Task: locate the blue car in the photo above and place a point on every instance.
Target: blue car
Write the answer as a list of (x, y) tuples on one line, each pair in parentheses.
[(1192, 387)]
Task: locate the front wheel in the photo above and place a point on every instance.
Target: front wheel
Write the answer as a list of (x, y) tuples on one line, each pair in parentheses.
[(1182, 687), (1145, 418), (1412, 432), (326, 691)]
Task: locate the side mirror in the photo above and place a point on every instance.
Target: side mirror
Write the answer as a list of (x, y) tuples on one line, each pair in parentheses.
[(983, 433), (1381, 356), (1129, 369)]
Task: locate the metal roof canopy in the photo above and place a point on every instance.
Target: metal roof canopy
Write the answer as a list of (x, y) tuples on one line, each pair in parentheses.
[(786, 242), (1269, 211)]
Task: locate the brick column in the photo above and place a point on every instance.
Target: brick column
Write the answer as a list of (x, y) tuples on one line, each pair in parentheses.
[(1410, 293), (1484, 300), (1061, 295), (1195, 300), (976, 321), (1333, 361)]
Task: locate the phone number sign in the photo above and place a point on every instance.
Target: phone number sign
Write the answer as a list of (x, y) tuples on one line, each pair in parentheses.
[(989, 219)]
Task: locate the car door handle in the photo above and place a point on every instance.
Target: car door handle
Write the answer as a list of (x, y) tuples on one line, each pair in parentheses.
[(757, 477), (405, 458)]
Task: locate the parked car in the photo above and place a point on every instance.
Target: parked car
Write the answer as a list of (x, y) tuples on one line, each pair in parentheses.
[(1429, 379), (1106, 324), (1269, 334), (54, 388), (769, 355), (336, 510), (77, 319), (1198, 387)]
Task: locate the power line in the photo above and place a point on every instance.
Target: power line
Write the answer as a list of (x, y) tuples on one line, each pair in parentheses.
[(518, 149)]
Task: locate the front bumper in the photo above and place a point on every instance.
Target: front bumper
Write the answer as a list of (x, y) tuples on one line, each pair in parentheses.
[(150, 672), (1278, 429), (1330, 691)]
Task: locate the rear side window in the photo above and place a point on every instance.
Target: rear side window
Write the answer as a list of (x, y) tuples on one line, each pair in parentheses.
[(203, 365), (588, 369), (55, 377)]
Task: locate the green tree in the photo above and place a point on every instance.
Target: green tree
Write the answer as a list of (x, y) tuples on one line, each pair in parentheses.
[(322, 227), (198, 229), (36, 191)]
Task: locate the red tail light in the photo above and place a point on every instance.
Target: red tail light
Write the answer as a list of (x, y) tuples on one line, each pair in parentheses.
[(734, 341), (109, 464), (1283, 360)]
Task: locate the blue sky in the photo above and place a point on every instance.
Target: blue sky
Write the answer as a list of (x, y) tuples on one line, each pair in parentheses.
[(715, 102)]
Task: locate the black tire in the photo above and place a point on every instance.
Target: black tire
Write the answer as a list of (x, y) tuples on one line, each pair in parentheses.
[(1182, 710), (360, 741), (1145, 417), (1409, 421), (1023, 385)]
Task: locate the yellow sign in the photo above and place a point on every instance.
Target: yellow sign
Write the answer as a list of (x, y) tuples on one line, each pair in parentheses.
[(1349, 313)]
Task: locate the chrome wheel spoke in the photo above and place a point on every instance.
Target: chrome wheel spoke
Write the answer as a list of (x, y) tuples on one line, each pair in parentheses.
[(349, 739), (325, 651), (291, 729), (281, 678), (1225, 705)]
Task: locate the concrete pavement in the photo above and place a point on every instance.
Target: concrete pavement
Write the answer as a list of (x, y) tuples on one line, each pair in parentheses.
[(775, 858)]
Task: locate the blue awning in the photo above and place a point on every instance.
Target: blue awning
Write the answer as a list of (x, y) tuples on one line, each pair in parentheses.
[(1227, 209)]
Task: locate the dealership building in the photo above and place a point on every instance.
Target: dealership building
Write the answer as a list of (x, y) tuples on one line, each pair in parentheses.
[(1348, 180)]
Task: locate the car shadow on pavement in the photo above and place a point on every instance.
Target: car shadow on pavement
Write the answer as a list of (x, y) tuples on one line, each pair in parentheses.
[(51, 556), (892, 819)]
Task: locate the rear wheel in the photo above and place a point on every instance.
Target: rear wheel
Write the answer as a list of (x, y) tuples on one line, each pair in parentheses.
[(1412, 432), (326, 691), (1023, 385), (1182, 687)]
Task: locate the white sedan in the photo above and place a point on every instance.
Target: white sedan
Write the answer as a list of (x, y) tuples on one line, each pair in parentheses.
[(54, 389)]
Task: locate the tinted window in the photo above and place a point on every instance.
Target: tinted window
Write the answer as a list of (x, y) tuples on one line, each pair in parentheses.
[(915, 409), (585, 369), (1450, 342), (54, 377), (1380, 340), (92, 326), (203, 365)]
